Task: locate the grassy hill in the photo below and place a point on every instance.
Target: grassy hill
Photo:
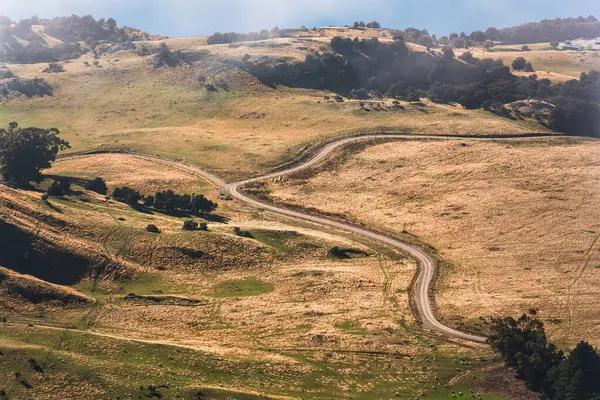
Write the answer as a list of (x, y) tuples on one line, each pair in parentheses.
[(272, 314), (96, 306)]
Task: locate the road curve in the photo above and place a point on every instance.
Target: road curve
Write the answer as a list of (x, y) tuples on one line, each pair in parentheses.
[(426, 261)]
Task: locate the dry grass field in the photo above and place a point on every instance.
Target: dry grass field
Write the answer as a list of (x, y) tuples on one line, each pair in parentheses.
[(515, 222), (261, 306), (126, 104), (558, 66), (276, 314)]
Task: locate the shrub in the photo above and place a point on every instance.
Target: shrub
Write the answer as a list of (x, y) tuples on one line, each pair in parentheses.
[(127, 195), (59, 188), (203, 226), (525, 48), (554, 44), (519, 64), (242, 233), (190, 225), (54, 68), (152, 229), (45, 197), (528, 67), (97, 185)]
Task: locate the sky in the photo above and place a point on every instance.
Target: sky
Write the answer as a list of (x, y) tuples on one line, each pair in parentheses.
[(179, 18)]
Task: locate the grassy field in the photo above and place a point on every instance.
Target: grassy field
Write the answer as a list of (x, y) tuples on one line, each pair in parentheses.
[(558, 66), (515, 222), (286, 309), (270, 315), (126, 104)]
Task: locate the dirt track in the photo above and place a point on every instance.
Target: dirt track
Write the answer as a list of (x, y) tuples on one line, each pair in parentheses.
[(426, 262)]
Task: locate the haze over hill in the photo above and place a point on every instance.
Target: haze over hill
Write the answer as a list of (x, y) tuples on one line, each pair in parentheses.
[(353, 212)]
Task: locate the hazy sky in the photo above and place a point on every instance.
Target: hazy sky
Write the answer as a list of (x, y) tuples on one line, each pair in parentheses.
[(200, 17)]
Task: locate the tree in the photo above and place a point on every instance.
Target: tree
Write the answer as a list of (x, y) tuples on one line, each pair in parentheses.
[(24, 152), (577, 376), (60, 187), (519, 64), (528, 67), (97, 185), (190, 225), (448, 53), (152, 229), (525, 48), (554, 44), (374, 24), (523, 345), (127, 195), (468, 57), (478, 36), (200, 204)]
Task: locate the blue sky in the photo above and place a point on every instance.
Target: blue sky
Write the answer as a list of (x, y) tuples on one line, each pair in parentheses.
[(201, 17)]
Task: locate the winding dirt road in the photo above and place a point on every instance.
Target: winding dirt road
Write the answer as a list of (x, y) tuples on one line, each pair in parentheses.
[(426, 261)]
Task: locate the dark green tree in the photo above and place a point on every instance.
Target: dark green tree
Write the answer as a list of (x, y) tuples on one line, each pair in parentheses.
[(97, 185), (519, 64), (523, 345), (200, 204), (577, 377), (24, 152), (59, 187), (127, 195)]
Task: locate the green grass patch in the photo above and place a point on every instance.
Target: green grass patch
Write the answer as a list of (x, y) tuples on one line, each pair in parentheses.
[(351, 327), (243, 288), (275, 239)]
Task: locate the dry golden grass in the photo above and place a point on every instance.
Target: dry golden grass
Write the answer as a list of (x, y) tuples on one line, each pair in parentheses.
[(126, 104), (122, 170), (555, 65), (515, 221)]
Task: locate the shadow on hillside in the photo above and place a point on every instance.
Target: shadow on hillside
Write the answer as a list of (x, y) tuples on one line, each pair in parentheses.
[(31, 255)]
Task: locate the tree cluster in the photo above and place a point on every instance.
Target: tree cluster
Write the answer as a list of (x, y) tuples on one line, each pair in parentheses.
[(364, 68), (54, 68), (233, 37), (97, 185), (361, 24), (60, 187), (72, 31), (166, 201), (165, 57), (24, 152), (29, 87), (523, 346)]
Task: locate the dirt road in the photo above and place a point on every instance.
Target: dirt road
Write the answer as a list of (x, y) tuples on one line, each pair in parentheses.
[(426, 261)]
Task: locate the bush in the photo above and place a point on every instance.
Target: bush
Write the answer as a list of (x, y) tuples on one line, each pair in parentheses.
[(127, 195), (519, 64), (523, 346), (242, 233), (97, 185), (525, 48), (54, 67), (554, 44), (528, 67), (190, 225), (152, 229), (59, 188)]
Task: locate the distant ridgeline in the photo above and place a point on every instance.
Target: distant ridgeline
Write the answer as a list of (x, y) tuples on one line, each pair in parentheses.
[(367, 68), (36, 40), (548, 30)]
